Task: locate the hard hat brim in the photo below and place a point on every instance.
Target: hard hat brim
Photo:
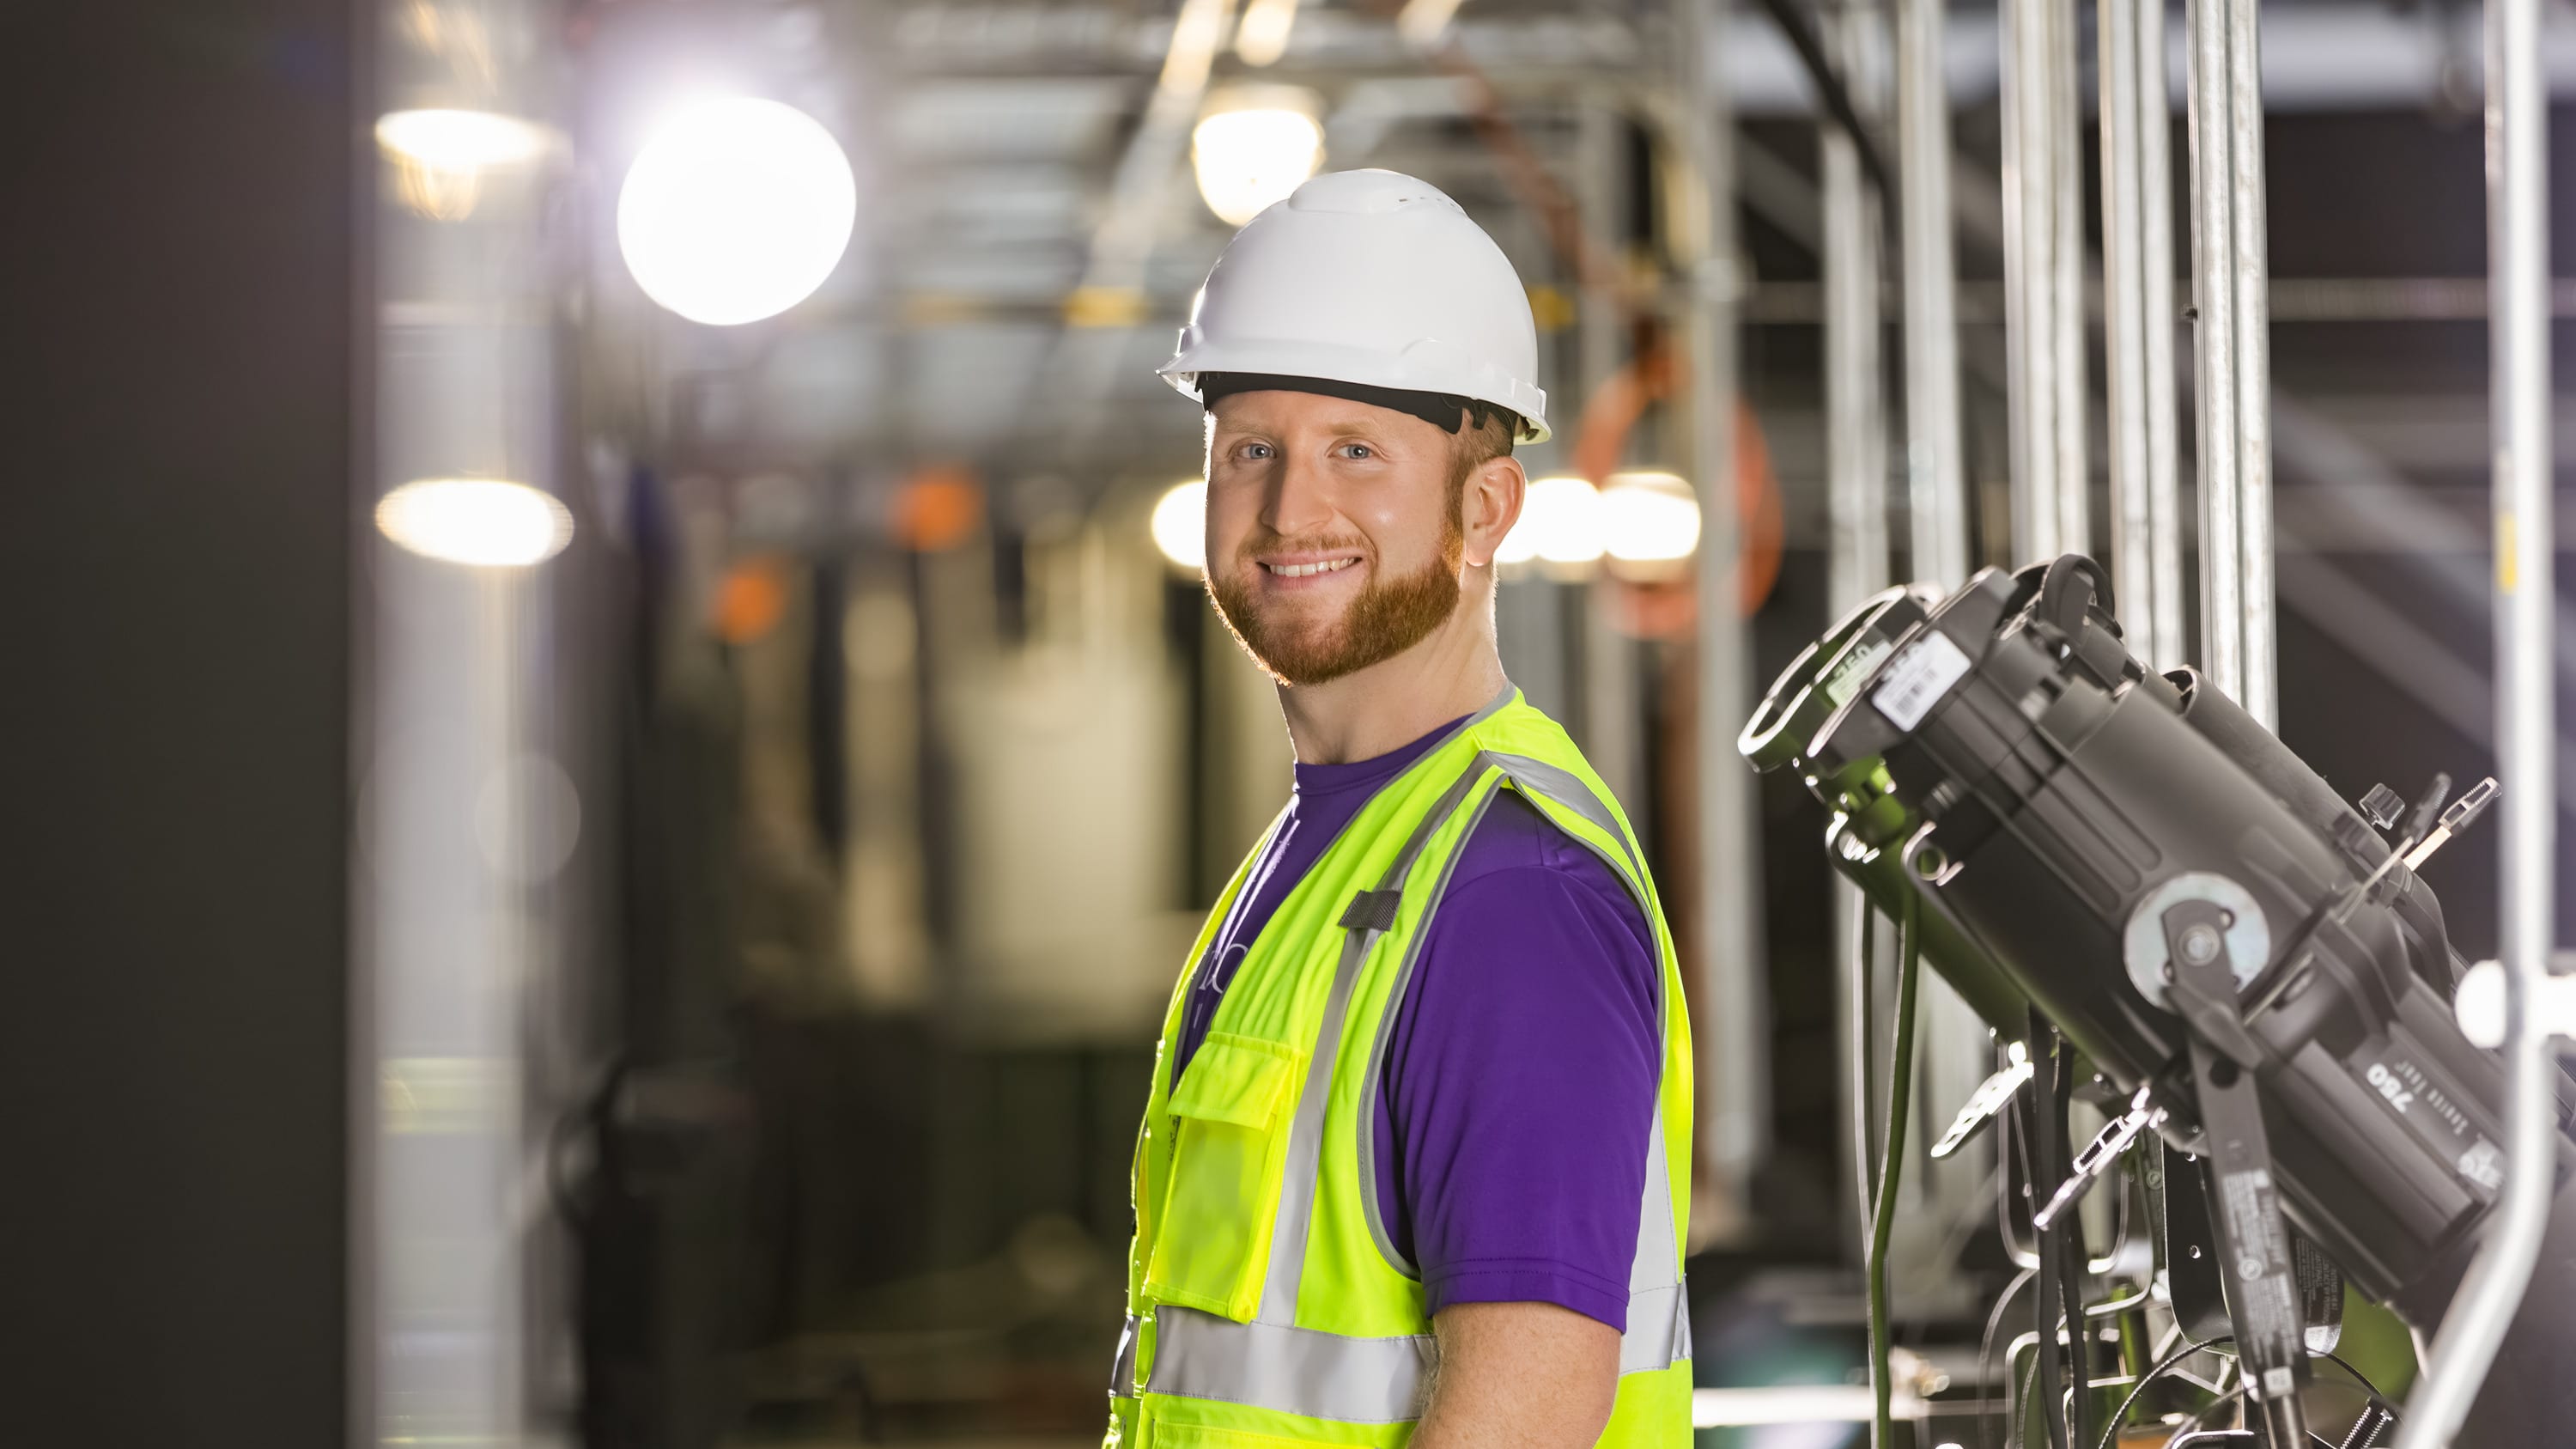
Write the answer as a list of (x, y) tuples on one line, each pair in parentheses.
[(1370, 368)]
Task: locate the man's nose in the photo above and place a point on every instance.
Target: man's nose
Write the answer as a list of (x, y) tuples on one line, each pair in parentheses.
[(1299, 499)]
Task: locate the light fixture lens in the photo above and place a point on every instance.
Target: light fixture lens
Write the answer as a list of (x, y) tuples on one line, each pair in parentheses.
[(487, 522), (1253, 150), (454, 140), (1560, 523), (1649, 517), (1180, 525), (736, 210)]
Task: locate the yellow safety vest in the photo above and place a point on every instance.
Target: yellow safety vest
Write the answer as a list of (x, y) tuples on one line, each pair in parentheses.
[(1266, 1304)]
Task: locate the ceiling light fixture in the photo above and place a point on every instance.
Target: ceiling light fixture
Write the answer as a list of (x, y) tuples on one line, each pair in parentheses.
[(736, 210)]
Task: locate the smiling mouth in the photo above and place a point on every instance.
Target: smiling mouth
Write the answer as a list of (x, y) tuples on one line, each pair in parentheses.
[(1307, 571)]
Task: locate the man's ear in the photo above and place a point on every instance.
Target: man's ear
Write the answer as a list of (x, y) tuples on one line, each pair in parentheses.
[(1491, 505)]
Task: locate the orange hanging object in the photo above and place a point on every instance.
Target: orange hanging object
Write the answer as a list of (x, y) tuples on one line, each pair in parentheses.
[(938, 508), (1601, 436), (750, 600)]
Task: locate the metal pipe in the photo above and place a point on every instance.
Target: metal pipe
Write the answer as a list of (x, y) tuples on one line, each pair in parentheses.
[(1856, 562), (2518, 263), (2252, 322), (1934, 470), (2026, 392), (2153, 112), (1734, 1108), (2137, 244), (1610, 685), (2214, 303), (2072, 475), (1856, 551), (2043, 279), (2124, 321), (1956, 1055)]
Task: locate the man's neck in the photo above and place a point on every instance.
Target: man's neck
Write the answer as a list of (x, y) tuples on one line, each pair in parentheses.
[(1453, 671)]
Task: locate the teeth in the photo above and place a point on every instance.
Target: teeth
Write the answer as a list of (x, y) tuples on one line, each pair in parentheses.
[(1305, 571)]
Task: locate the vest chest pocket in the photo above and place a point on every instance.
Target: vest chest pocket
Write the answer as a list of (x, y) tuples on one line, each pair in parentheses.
[(1231, 1113)]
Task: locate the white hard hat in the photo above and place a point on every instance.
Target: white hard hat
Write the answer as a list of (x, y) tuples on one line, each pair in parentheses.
[(1370, 278)]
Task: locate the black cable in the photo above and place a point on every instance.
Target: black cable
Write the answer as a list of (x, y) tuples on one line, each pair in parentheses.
[(1831, 91)]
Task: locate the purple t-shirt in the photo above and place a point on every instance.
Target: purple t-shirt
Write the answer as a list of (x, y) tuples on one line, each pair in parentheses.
[(1520, 1074)]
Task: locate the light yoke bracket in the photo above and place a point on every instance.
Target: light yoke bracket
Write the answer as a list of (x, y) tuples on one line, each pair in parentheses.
[(2253, 1240)]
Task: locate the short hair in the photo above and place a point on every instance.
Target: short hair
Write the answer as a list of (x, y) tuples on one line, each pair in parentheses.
[(1487, 435)]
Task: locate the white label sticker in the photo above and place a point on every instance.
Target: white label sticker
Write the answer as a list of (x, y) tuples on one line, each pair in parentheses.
[(1918, 679)]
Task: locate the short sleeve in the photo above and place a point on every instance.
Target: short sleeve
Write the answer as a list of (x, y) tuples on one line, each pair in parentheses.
[(1521, 1076)]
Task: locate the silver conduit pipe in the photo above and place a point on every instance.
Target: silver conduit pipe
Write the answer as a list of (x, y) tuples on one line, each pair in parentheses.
[(2518, 266), (1699, 182), (1856, 550), (2138, 327), (1936, 480), (2043, 281), (1955, 1054), (2234, 354)]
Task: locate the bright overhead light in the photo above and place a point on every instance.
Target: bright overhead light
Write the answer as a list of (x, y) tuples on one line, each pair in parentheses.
[(1422, 21), (484, 521), (1261, 36), (736, 210), (1180, 525), (454, 140), (1560, 523), (1649, 517), (1254, 145)]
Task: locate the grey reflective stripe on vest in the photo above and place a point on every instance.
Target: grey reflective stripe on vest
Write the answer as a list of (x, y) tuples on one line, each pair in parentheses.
[(1319, 1375), (1566, 788), (1291, 1370), (1122, 1369), (1305, 1161), (1658, 1332), (1367, 1133)]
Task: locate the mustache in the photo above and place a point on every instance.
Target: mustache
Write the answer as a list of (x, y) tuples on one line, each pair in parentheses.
[(1270, 541)]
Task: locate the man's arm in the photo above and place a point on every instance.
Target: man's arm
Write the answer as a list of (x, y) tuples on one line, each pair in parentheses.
[(1519, 1376)]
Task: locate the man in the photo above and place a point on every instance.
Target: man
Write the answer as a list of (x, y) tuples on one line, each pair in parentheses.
[(1417, 1144)]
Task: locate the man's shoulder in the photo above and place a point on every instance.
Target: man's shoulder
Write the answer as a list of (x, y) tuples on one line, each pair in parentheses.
[(1515, 854)]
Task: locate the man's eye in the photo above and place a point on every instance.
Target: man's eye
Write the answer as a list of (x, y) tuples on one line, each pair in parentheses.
[(1358, 450), (1255, 451)]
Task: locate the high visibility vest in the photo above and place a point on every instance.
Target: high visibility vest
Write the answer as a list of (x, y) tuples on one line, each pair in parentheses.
[(1266, 1302)]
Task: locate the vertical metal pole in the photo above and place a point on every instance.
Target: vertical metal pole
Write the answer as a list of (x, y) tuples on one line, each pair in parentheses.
[(2518, 332), (1733, 1056), (1935, 473), (2153, 110), (2252, 323), (1610, 686), (2043, 280), (1856, 562), (2124, 320), (2072, 472), (2138, 321), (2214, 280), (1956, 1054)]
